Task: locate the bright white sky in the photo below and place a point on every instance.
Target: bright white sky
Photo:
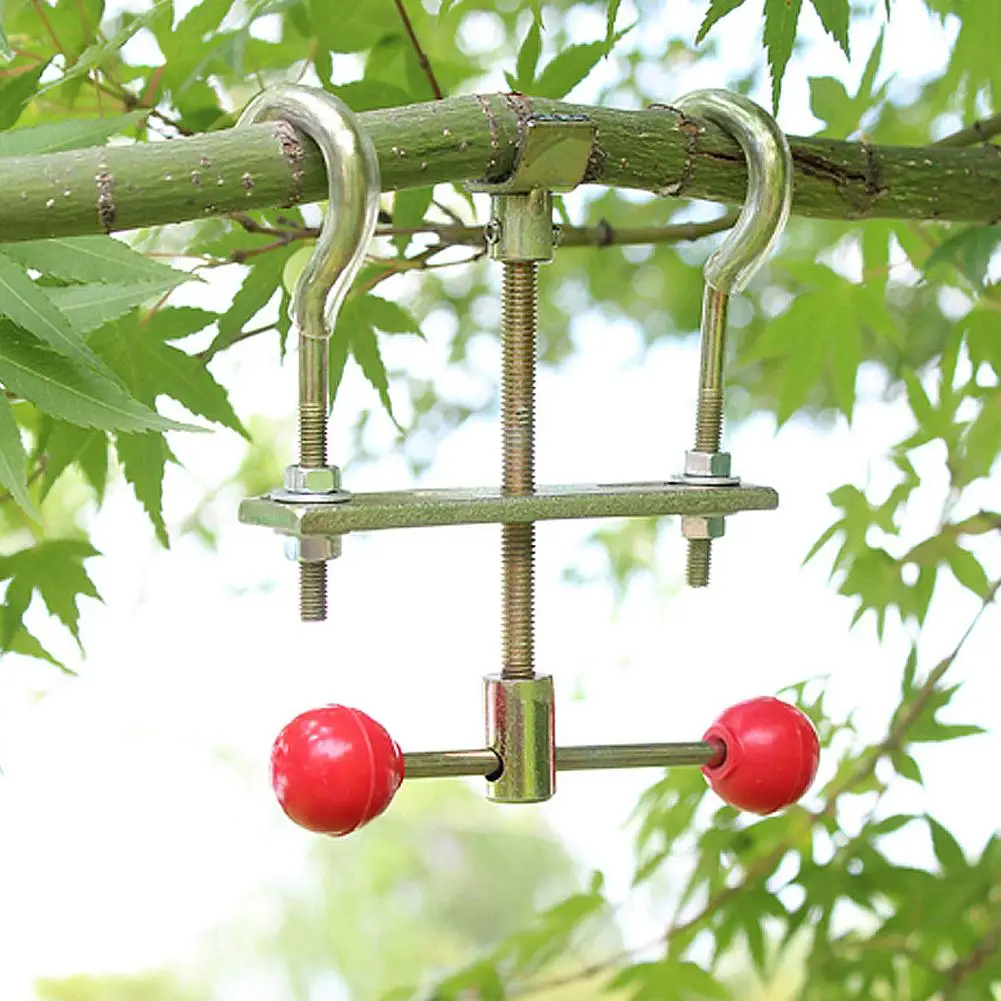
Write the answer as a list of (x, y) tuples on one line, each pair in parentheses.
[(134, 806)]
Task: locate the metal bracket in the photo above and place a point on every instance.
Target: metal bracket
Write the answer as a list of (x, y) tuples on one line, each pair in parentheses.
[(428, 508), (555, 152)]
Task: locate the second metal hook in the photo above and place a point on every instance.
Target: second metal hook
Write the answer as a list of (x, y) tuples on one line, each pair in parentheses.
[(347, 231), (769, 185), (728, 271)]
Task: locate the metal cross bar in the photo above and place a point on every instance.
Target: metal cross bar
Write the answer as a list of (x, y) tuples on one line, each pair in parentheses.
[(425, 508), (487, 763)]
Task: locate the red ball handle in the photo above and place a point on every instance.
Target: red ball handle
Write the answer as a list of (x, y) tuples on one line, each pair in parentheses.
[(334, 769), (769, 758)]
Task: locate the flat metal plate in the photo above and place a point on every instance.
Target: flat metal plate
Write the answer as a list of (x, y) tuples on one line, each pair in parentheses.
[(427, 508)]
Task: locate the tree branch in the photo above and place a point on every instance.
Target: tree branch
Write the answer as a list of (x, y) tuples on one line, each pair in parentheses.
[(478, 136), (601, 235), (979, 132), (422, 59)]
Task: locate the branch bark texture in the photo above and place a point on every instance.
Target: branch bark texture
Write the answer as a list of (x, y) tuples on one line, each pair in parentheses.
[(473, 137)]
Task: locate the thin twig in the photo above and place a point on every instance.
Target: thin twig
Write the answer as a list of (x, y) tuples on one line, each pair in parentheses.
[(422, 58), (239, 256), (449, 211), (986, 948), (43, 17), (979, 132), (84, 23), (208, 354), (12, 71), (24, 54), (40, 466), (601, 235), (146, 101)]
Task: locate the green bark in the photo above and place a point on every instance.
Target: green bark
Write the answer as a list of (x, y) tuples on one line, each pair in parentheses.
[(462, 138)]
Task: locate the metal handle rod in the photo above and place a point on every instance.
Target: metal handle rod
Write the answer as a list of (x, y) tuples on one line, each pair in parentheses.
[(487, 763), (592, 757)]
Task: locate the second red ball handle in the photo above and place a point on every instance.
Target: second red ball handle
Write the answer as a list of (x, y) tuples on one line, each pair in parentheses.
[(487, 763)]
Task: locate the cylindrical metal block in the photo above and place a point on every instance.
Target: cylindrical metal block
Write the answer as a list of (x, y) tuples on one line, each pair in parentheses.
[(521, 729), (521, 227)]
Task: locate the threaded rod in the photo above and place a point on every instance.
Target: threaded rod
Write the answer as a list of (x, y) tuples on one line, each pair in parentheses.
[(312, 592), (709, 420), (699, 554), (709, 417), (312, 453), (312, 435), (519, 309)]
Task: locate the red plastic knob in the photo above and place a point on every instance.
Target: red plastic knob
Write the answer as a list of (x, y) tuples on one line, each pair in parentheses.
[(771, 753), (334, 769)]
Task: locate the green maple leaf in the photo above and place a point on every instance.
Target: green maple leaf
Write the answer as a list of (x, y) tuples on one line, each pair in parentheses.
[(150, 366), (63, 444), (835, 16), (144, 459), (718, 9), (54, 569)]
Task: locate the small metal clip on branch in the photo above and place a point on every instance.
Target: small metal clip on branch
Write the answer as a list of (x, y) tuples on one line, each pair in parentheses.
[(347, 231)]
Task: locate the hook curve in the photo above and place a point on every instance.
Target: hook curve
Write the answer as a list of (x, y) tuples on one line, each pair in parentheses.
[(354, 188), (769, 185)]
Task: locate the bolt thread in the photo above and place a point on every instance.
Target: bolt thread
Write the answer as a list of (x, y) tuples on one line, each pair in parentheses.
[(312, 452), (709, 420), (519, 317), (312, 434), (313, 592), (699, 555), (519, 306), (518, 639)]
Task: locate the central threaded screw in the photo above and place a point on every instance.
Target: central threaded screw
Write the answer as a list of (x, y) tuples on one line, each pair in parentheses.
[(519, 321)]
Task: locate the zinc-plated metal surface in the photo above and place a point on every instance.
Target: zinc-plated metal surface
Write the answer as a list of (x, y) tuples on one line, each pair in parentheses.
[(599, 756), (521, 227), (769, 184), (486, 763), (521, 728), (445, 764), (354, 187), (555, 152), (369, 512), (709, 419)]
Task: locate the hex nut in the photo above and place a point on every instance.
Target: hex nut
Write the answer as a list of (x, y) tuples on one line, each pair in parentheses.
[(313, 548), (701, 527), (707, 463), (312, 479)]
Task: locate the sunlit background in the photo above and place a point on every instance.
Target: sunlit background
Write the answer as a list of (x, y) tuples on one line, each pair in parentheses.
[(138, 828)]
